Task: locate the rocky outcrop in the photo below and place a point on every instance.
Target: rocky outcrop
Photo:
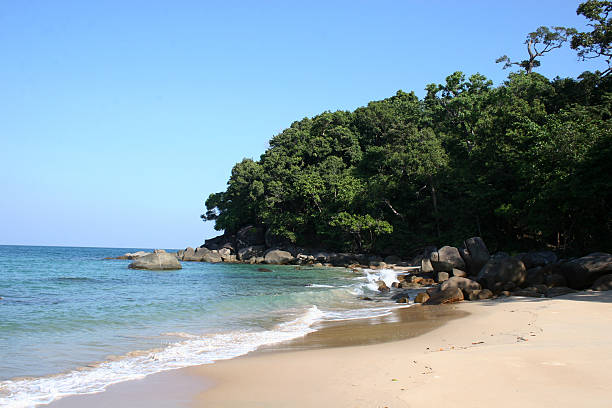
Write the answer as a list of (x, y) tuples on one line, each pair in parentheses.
[(450, 295), (461, 283), (449, 255), (131, 255), (603, 283), (581, 273), (476, 255), (250, 236), (278, 257), (537, 258), (502, 273), (159, 261)]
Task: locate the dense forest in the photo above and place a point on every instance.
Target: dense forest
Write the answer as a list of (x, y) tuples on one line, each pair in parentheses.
[(525, 165)]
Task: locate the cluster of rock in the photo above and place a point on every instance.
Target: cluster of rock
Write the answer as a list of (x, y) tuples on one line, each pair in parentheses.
[(251, 245), (471, 273)]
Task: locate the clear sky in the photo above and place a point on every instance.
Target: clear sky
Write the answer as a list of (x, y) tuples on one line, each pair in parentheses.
[(119, 118)]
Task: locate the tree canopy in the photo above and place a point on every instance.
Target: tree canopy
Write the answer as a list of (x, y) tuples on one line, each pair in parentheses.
[(522, 164)]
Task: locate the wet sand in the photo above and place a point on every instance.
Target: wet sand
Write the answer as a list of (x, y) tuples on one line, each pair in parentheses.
[(180, 388), (506, 353)]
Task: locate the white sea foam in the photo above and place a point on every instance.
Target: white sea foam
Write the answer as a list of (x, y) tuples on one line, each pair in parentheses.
[(374, 275), (194, 351)]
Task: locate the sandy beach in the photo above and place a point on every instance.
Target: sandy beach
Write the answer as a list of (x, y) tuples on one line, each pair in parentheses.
[(532, 352)]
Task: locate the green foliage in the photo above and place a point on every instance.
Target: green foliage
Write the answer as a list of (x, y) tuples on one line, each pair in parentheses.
[(523, 164), (598, 42), (540, 42), (363, 228)]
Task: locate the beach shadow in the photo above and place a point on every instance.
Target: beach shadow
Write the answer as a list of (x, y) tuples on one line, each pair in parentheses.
[(582, 296)]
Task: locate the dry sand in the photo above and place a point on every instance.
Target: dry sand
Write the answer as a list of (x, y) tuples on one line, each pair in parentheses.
[(513, 352), (516, 352)]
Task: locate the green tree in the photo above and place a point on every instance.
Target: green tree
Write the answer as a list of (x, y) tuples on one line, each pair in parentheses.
[(597, 42), (539, 42)]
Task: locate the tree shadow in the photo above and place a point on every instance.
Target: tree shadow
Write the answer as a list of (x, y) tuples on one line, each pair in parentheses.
[(581, 296)]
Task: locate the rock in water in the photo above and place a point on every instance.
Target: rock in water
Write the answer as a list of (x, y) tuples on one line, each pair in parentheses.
[(190, 255), (278, 257), (382, 286), (160, 261), (421, 297)]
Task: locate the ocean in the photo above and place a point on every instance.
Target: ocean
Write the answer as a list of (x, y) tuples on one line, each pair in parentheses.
[(73, 323)]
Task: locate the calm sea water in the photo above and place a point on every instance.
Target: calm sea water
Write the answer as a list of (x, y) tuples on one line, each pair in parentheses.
[(71, 322)]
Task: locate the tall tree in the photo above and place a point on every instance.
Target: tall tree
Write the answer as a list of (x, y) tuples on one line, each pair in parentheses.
[(540, 42)]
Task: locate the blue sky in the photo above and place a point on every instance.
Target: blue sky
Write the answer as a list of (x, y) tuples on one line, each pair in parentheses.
[(119, 118)]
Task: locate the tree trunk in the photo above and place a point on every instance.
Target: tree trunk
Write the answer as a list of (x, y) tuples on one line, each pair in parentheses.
[(434, 199)]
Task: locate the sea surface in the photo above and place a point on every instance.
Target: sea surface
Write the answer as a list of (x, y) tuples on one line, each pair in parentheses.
[(74, 323)]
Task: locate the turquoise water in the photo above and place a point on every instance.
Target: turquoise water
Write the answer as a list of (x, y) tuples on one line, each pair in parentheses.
[(71, 322)]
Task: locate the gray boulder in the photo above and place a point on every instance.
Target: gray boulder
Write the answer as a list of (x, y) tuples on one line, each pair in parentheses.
[(278, 257), (501, 273), (538, 258), (159, 261), (476, 253), (581, 273), (189, 255), (212, 257), (450, 255), (603, 283)]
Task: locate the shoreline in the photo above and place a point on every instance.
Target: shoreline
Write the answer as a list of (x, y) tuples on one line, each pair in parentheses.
[(532, 351), (154, 390)]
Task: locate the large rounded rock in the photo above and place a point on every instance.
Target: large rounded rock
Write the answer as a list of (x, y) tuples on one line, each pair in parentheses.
[(450, 295), (603, 283), (449, 255), (189, 255), (212, 257), (539, 258), (426, 265), (581, 273), (476, 254), (278, 257), (461, 283), (499, 273), (441, 266), (159, 261)]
